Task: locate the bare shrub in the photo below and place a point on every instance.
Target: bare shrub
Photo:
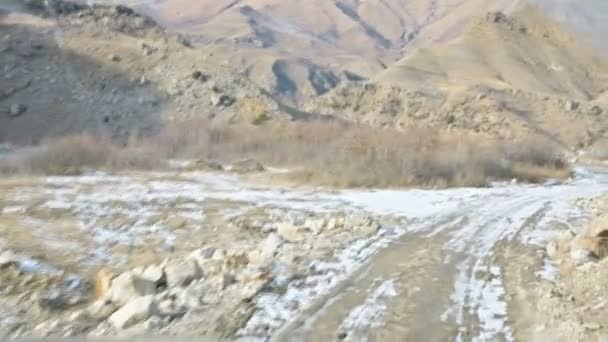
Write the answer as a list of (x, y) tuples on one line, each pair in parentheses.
[(74, 154), (342, 154), (327, 153)]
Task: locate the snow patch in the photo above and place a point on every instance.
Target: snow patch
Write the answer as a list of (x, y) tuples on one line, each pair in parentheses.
[(273, 310), (370, 313)]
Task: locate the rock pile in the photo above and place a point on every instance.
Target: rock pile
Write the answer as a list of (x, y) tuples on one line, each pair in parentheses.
[(213, 288), (591, 245)]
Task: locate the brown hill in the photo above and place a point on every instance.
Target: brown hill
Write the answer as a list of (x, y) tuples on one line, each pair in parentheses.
[(299, 49), (506, 76)]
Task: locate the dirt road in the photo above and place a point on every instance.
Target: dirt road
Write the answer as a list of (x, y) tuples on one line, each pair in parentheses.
[(465, 264), (459, 272)]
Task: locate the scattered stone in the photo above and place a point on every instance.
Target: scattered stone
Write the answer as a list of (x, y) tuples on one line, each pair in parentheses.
[(335, 223), (17, 110), (8, 259), (582, 256), (170, 308), (127, 286), (147, 50), (595, 110), (227, 280), (57, 300), (183, 40), (222, 100), (176, 223), (199, 76), (100, 310), (124, 10), (155, 274), (496, 17), (592, 326), (271, 244), (553, 250), (316, 226), (143, 80), (182, 273), (114, 58), (289, 232), (266, 251), (200, 256), (135, 311), (571, 105), (364, 225)]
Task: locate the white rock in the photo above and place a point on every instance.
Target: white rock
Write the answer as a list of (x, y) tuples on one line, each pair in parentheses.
[(169, 307), (8, 258), (100, 310), (127, 286), (582, 256), (182, 273), (271, 244), (219, 254), (227, 280), (202, 255), (184, 298), (266, 251), (153, 273), (176, 223), (335, 223), (315, 225), (289, 232), (135, 311), (553, 250)]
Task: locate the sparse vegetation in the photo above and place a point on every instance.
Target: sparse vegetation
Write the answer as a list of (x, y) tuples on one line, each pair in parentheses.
[(335, 154), (75, 154)]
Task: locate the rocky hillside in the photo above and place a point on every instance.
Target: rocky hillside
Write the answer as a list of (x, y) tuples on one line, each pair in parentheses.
[(506, 76), (72, 67), (298, 49)]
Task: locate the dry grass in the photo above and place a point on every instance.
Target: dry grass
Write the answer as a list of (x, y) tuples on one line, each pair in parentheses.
[(72, 155), (335, 154)]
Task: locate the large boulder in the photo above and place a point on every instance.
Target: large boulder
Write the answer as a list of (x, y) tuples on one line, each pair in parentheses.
[(17, 109), (362, 225), (128, 286), (100, 310), (290, 232), (583, 249), (8, 258), (266, 251), (133, 312), (182, 272)]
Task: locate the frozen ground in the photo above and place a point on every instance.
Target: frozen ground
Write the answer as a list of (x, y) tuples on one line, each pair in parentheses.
[(433, 270)]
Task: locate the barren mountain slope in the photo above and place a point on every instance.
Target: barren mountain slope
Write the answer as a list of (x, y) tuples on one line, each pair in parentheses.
[(108, 69), (505, 76), (300, 49), (589, 17)]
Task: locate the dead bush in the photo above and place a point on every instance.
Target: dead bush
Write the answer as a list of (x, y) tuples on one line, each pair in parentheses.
[(327, 153), (71, 155)]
